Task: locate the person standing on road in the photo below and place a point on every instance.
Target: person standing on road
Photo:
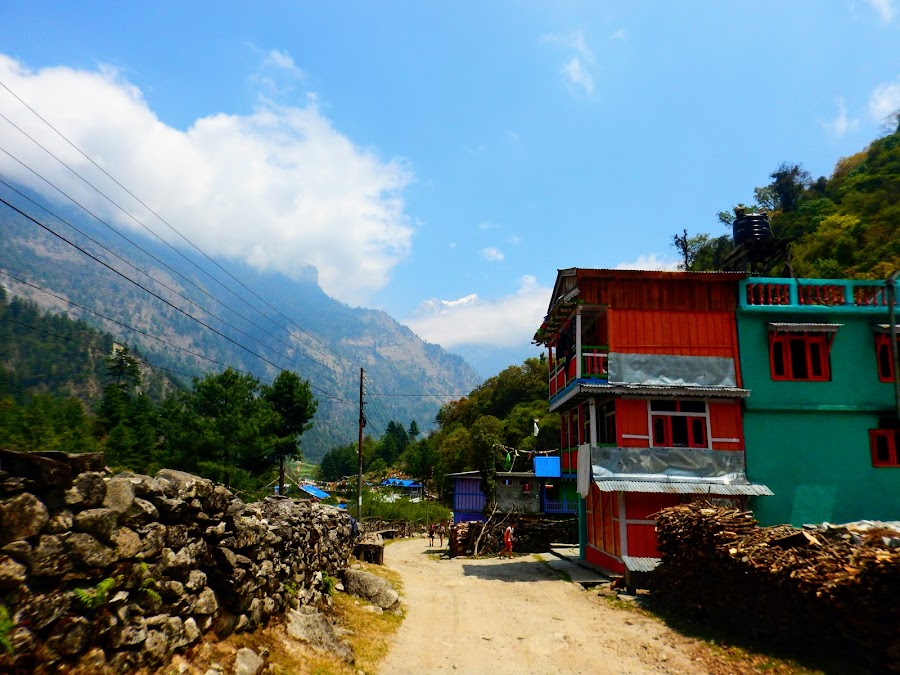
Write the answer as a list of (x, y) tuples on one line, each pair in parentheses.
[(508, 540), (431, 534), (441, 530)]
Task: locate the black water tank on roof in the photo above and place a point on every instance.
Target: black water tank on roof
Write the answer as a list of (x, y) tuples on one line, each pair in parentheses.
[(751, 228)]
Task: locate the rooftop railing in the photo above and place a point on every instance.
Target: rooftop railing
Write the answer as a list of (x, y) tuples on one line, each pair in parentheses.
[(859, 294)]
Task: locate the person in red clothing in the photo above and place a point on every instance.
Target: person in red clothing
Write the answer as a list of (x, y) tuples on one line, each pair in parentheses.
[(508, 540)]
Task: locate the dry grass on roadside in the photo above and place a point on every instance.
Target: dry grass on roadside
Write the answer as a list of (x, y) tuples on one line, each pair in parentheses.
[(368, 633)]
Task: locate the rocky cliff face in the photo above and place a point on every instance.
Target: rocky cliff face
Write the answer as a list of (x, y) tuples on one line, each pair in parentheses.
[(119, 572)]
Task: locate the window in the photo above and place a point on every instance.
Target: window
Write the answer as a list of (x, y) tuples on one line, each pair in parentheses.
[(678, 424), (800, 356), (885, 447), (884, 357)]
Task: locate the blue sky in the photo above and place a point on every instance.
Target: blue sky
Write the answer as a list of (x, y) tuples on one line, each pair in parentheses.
[(441, 161)]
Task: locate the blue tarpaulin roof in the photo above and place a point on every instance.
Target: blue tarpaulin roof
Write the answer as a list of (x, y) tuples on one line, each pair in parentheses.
[(400, 482), (546, 467), (314, 491)]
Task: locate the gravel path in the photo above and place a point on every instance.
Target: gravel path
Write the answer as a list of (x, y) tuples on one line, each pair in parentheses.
[(518, 616)]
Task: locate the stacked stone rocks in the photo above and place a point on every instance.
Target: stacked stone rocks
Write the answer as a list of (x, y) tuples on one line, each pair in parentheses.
[(124, 570)]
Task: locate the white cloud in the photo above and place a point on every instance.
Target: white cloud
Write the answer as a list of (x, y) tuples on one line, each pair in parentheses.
[(492, 254), (884, 101), (885, 9), (509, 321), (576, 71), (283, 61), (619, 34), (650, 261), (486, 225), (841, 123), (280, 188), (578, 76)]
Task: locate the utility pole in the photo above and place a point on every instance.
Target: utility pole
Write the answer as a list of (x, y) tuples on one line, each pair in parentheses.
[(362, 423)]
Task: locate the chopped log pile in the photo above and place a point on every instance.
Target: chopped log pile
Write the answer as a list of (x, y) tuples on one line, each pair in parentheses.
[(835, 587), (532, 535), (122, 571)]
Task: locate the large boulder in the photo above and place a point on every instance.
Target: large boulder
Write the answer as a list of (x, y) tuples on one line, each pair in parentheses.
[(119, 495), (21, 517), (312, 627), (87, 491), (44, 471), (101, 523), (371, 588)]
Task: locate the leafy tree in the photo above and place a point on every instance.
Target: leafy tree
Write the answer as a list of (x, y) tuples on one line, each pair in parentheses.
[(224, 430), (487, 433), (292, 400)]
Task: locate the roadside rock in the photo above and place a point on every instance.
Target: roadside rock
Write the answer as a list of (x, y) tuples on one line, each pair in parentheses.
[(372, 588), (312, 627), (248, 662), (22, 517)]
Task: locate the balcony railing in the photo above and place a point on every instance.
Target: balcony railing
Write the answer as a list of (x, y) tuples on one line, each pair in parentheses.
[(593, 366), (812, 293), (560, 506)]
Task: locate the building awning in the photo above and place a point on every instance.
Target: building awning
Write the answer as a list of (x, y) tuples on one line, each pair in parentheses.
[(587, 389), (636, 564), (684, 487), (884, 328), (804, 327)]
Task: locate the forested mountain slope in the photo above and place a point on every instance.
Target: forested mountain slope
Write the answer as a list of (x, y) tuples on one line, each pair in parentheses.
[(285, 325)]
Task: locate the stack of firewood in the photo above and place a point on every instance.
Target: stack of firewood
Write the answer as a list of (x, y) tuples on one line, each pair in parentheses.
[(795, 585)]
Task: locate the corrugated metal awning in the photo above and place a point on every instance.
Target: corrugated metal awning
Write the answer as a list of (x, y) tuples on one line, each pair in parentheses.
[(635, 564), (805, 327), (682, 487), (884, 328)]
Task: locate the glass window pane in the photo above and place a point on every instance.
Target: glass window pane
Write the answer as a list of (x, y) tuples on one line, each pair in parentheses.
[(664, 405), (778, 368), (799, 370), (679, 432), (693, 406)]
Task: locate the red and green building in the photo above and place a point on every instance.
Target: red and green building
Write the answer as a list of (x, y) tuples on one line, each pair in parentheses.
[(820, 423), (772, 394), (644, 371)]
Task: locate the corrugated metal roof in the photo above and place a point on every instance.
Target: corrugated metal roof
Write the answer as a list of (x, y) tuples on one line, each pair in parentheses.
[(884, 327), (782, 327), (587, 388), (682, 487), (634, 564)]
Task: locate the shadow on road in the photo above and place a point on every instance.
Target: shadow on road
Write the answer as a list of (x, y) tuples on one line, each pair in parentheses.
[(509, 570)]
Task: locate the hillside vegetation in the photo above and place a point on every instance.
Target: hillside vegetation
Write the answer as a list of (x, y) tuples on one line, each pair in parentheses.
[(843, 226)]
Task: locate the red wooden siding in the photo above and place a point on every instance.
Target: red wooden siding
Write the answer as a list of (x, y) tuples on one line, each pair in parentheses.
[(631, 418), (642, 541), (641, 505), (697, 292), (725, 422), (682, 333)]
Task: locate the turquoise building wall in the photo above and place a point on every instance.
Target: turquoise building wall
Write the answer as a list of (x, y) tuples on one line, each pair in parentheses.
[(809, 441)]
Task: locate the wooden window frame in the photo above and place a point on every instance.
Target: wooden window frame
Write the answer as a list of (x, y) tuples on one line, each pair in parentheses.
[(692, 419), (892, 445), (814, 349), (884, 357)]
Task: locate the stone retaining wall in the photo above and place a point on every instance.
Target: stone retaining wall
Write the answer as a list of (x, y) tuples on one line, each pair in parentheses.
[(124, 570)]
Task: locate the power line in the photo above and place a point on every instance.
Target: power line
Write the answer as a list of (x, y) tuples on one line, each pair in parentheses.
[(96, 349), (162, 220), (145, 252), (131, 328), (158, 297), (164, 285)]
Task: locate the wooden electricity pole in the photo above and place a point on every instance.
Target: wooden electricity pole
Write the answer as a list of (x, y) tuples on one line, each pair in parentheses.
[(362, 423)]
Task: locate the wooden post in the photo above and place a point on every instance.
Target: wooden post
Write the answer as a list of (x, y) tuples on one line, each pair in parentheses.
[(362, 423)]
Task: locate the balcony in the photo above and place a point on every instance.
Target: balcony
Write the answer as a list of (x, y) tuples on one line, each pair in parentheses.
[(593, 366), (812, 294), (560, 506)]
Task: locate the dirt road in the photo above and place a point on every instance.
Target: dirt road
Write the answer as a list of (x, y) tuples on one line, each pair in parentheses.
[(518, 616)]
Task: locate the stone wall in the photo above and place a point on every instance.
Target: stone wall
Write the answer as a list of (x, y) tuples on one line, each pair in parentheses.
[(124, 570)]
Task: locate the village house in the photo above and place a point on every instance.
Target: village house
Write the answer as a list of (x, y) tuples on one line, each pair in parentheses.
[(644, 370), (820, 423)]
